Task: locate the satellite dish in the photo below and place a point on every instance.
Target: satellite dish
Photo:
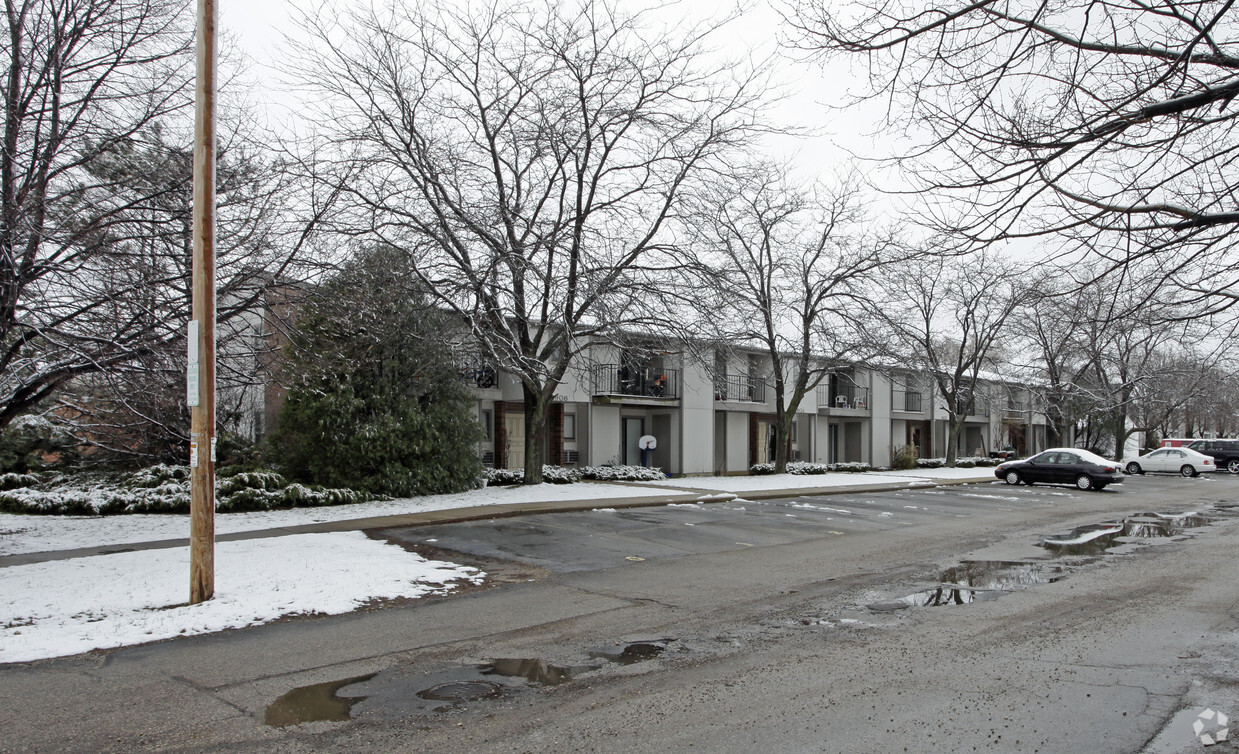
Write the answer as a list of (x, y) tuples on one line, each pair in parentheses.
[(647, 442)]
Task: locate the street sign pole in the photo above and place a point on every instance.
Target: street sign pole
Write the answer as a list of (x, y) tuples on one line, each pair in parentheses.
[(200, 380)]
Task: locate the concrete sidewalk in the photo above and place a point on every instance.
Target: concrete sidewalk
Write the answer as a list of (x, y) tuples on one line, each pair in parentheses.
[(456, 515)]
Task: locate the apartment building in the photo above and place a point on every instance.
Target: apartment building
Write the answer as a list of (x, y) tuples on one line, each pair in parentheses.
[(715, 415)]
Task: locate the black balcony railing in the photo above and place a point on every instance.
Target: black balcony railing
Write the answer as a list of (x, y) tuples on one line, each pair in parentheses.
[(1016, 410), (739, 387), (906, 400), (843, 396), (971, 407), (648, 382)]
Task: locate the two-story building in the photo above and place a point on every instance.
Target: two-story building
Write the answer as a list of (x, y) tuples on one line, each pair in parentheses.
[(716, 416)]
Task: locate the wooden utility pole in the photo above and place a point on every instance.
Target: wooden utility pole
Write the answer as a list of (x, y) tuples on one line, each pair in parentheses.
[(201, 377)]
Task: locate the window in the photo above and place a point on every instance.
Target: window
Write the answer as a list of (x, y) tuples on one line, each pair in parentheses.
[(569, 426), (485, 417)]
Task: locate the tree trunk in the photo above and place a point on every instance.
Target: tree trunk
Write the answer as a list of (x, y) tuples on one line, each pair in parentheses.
[(782, 442), (954, 425), (535, 434)]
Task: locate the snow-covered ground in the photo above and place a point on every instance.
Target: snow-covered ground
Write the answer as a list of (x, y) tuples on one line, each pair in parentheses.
[(70, 606), (74, 605), (30, 533)]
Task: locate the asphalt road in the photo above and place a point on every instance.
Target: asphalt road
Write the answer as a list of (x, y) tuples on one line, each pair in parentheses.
[(920, 620)]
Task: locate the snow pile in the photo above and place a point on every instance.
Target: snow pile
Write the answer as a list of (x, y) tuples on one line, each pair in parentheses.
[(72, 606)]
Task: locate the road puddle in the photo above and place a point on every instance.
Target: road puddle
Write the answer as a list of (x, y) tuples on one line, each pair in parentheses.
[(536, 672), (1096, 539), (320, 702), (975, 581), (394, 689), (633, 653)]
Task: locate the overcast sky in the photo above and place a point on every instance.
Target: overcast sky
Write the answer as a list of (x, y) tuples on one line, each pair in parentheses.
[(259, 27)]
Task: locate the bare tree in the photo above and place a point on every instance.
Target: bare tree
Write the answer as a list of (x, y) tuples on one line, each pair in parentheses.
[(80, 80), (1052, 323), (534, 154), (785, 269), (134, 405), (1143, 360), (1108, 125), (949, 313)]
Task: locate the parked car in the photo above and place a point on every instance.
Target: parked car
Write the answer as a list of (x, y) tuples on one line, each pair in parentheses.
[(1062, 466), (1225, 453), (1180, 460)]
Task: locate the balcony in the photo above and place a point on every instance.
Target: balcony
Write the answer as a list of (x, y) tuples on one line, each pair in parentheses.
[(1016, 411), (843, 397), (640, 382), (739, 387), (907, 400), (971, 408)]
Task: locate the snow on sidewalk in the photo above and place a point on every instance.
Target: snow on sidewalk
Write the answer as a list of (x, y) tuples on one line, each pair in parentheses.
[(70, 606)]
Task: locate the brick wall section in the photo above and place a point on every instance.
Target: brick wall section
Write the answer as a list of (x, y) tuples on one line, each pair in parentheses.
[(501, 435), (752, 439)]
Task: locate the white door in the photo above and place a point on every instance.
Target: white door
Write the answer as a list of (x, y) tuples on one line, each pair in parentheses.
[(514, 426), (1158, 460)]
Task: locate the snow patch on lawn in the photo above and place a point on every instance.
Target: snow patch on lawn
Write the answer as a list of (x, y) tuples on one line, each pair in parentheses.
[(72, 606)]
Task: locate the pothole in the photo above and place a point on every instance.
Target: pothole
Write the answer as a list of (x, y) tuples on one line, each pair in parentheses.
[(536, 672), (394, 689), (1096, 539), (975, 581), (633, 653)]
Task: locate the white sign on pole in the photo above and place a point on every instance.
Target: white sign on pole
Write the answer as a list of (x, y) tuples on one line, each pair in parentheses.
[(191, 372)]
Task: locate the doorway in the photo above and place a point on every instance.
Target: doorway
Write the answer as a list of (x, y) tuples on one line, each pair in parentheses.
[(514, 432), (634, 428)]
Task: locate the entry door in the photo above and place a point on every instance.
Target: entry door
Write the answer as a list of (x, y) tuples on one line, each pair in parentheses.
[(832, 442), (514, 426), (763, 442), (634, 427)]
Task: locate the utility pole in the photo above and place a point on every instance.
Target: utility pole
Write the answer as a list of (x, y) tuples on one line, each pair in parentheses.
[(200, 380)]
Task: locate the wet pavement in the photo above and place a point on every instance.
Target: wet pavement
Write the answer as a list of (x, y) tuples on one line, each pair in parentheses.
[(922, 620), (605, 538)]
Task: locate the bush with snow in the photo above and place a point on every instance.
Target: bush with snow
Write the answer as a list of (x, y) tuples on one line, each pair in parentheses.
[(623, 473), (550, 474), (158, 489), (802, 468), (568, 475), (964, 462)]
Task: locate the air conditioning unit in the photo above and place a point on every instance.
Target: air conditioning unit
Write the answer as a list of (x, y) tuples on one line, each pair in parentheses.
[(488, 458), (572, 457), (795, 455)]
